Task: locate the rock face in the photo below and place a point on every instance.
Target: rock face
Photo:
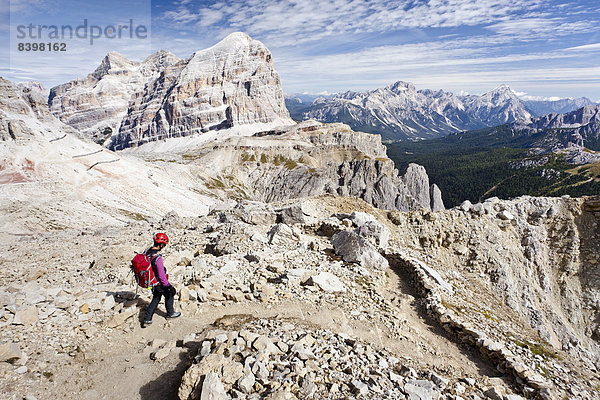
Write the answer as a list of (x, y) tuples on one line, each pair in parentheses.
[(437, 203), (124, 103), (96, 104), (417, 182), (230, 84), (399, 111), (311, 159), (580, 128), (22, 100)]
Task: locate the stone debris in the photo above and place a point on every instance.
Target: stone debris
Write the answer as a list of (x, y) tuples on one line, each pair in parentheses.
[(9, 352), (27, 316), (315, 364), (212, 388), (327, 282), (299, 213)]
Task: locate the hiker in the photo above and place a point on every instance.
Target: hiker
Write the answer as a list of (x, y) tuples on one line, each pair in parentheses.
[(163, 288)]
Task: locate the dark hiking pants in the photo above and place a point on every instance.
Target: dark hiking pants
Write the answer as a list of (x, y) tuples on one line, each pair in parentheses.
[(157, 292)]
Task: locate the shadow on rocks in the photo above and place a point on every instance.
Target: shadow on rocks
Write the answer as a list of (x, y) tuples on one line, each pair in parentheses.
[(166, 386), (143, 305), (409, 286)]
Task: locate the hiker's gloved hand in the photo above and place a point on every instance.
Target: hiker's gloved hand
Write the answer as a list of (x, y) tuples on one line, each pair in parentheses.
[(171, 290)]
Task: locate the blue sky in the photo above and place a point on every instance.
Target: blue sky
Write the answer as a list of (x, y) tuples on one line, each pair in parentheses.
[(538, 47)]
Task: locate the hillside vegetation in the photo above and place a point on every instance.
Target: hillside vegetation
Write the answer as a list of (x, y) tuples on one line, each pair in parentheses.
[(465, 169)]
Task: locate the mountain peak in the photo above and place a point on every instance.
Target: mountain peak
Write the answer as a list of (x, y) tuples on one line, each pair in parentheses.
[(401, 86), (159, 55), (232, 43), (237, 37), (115, 57), (503, 88), (159, 60), (113, 61), (233, 40), (501, 94)]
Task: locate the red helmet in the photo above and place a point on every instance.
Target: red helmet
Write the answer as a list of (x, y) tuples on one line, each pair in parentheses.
[(161, 238)]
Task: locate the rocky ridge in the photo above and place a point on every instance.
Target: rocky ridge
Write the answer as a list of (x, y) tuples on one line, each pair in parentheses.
[(578, 129), (310, 159), (558, 106)]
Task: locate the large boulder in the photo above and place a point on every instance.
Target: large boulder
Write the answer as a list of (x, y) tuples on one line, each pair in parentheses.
[(327, 282), (280, 234), (255, 212), (298, 213), (377, 233), (354, 248), (212, 388)]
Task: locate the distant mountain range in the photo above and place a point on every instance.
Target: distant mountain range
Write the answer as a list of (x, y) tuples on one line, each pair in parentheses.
[(551, 155), (576, 129), (400, 112), (560, 106)]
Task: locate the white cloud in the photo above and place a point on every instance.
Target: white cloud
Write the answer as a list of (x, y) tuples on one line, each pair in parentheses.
[(542, 98), (586, 47), (295, 21), (451, 65), (542, 27)]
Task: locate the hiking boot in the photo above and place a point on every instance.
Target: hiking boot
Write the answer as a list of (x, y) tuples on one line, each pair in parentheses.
[(174, 315), (149, 322)]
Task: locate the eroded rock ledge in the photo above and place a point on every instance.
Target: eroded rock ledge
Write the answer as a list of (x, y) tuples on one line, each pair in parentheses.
[(312, 159)]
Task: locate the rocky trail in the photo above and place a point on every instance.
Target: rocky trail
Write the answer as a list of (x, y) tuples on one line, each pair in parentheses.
[(270, 310)]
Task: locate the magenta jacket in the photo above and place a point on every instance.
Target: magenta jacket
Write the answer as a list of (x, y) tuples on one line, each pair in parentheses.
[(159, 267)]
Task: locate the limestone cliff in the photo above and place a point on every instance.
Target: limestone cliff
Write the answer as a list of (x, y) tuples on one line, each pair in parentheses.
[(230, 84), (96, 104), (125, 103), (311, 159)]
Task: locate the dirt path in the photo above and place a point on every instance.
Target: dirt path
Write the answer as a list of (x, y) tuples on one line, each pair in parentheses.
[(119, 366)]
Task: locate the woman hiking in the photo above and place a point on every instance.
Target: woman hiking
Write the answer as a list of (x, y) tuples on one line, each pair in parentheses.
[(163, 288)]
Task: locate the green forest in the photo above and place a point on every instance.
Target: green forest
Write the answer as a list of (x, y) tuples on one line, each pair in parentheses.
[(464, 171)]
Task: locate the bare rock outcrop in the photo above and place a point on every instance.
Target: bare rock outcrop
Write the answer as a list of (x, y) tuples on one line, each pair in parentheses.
[(437, 203), (417, 182), (311, 159), (95, 105)]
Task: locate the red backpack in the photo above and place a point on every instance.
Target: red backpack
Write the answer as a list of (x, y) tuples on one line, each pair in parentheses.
[(143, 271)]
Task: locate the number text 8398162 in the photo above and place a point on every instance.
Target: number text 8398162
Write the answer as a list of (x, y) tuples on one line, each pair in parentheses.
[(42, 46)]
